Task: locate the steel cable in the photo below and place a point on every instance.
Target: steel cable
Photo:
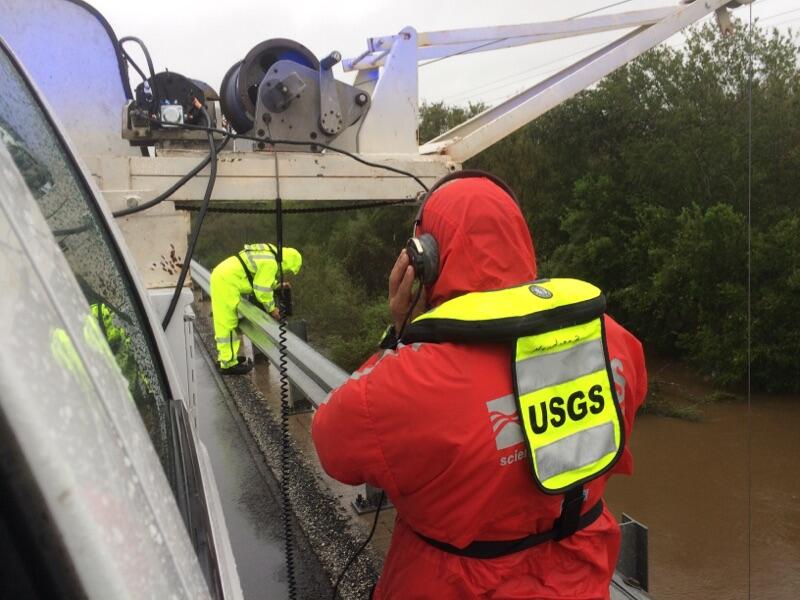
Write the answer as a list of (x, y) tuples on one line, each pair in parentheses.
[(301, 210), (749, 300)]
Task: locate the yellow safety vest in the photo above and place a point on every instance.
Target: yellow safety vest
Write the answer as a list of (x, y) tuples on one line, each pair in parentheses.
[(563, 383)]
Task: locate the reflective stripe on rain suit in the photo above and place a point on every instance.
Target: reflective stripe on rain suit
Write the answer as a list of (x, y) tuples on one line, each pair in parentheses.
[(229, 283)]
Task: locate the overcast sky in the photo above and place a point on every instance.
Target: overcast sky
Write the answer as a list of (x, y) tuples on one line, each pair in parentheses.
[(202, 40)]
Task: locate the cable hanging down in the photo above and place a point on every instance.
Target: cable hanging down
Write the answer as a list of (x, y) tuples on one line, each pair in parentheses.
[(360, 549), (151, 69), (212, 177), (124, 212), (288, 534)]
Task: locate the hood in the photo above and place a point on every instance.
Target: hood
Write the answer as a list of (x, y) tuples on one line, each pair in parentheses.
[(484, 241), (292, 260)]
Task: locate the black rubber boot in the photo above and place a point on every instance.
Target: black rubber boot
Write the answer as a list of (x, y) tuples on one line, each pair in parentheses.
[(243, 368)]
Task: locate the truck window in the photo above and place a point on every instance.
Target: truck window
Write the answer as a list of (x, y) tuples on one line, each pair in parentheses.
[(70, 209)]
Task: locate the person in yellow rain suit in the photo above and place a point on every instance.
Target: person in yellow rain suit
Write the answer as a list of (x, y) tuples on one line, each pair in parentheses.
[(118, 341), (254, 270)]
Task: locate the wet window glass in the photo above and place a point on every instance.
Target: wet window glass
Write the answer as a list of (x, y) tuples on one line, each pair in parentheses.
[(69, 209)]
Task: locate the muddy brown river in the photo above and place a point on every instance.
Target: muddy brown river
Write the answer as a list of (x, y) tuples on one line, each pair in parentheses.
[(690, 488)]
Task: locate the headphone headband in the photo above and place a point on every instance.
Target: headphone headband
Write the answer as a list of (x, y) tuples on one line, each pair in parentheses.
[(463, 174), (423, 251)]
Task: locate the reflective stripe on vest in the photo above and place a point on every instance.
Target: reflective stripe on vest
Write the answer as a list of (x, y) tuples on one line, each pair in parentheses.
[(567, 405), (256, 253), (563, 385)]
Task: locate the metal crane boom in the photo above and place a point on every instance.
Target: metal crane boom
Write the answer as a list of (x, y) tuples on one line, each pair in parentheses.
[(649, 28)]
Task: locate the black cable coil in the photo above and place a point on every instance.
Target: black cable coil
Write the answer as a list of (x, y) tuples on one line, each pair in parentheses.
[(285, 454)]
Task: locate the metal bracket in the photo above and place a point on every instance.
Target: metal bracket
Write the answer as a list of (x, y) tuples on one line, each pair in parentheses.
[(294, 114), (368, 501), (330, 111), (632, 561), (136, 127), (278, 94)]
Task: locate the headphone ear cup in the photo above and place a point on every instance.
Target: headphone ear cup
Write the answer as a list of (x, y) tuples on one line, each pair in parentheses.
[(430, 258), (423, 254)]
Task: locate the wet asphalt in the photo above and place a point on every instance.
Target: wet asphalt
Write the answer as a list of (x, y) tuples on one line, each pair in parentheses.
[(249, 494)]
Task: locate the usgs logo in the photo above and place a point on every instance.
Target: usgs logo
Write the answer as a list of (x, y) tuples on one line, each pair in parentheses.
[(575, 407)]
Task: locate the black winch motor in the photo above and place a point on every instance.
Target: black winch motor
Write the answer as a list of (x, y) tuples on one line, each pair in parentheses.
[(173, 98)]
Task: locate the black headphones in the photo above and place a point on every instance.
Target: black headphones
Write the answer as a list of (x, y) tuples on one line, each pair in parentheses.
[(423, 250)]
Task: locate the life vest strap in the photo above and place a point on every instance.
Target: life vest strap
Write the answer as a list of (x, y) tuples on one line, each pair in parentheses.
[(496, 549), (569, 519), (249, 276)]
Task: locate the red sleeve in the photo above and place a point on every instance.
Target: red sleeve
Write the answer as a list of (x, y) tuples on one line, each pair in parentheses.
[(641, 380), (630, 380), (344, 436), (637, 389)]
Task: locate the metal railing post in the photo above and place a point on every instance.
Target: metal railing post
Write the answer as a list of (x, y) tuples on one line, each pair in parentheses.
[(633, 560), (367, 501), (298, 401)]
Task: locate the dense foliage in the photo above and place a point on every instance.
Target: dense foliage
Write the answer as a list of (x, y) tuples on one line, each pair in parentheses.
[(639, 185)]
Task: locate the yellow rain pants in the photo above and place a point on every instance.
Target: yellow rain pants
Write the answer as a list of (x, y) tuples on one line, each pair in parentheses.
[(228, 283)]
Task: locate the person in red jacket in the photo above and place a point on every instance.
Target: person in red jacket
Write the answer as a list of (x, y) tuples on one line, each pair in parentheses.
[(435, 426)]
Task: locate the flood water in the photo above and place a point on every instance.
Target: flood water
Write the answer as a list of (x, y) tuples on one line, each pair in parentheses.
[(690, 489)]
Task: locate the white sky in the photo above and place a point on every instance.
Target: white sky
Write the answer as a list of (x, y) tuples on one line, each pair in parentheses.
[(203, 39)]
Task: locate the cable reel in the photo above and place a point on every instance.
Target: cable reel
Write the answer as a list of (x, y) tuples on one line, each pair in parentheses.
[(282, 91)]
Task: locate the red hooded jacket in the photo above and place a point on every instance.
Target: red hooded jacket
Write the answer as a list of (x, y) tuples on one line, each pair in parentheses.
[(430, 425)]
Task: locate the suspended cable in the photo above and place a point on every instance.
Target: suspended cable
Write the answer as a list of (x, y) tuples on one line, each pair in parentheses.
[(286, 503), (517, 74), (595, 10), (792, 20), (780, 14), (749, 305), (255, 210), (497, 41), (361, 547), (212, 177)]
